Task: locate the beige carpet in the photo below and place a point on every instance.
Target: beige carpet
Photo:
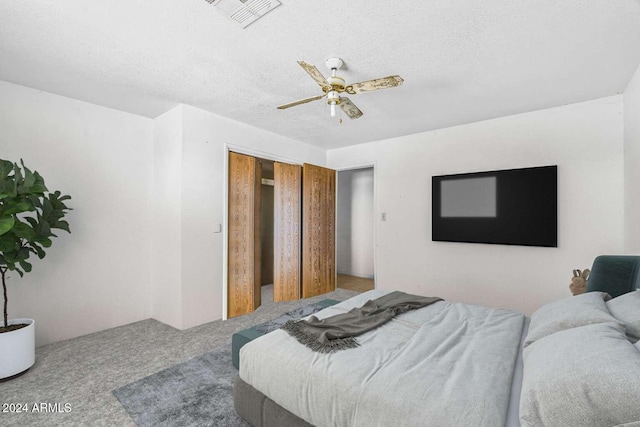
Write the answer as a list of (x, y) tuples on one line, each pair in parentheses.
[(83, 371)]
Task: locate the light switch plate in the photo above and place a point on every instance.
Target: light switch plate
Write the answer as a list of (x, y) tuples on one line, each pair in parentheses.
[(217, 228)]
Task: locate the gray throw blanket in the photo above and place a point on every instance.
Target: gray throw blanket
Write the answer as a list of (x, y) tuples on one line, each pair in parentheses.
[(339, 332)]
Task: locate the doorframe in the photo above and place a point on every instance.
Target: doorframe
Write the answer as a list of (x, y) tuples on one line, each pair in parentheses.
[(367, 165), (225, 208)]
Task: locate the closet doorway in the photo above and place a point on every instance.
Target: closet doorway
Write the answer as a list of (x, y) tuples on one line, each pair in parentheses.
[(355, 225), (268, 240)]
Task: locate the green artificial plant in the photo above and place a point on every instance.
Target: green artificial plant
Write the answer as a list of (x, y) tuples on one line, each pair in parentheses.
[(28, 213)]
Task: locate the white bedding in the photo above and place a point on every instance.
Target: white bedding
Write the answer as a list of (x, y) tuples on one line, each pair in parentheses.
[(448, 364)]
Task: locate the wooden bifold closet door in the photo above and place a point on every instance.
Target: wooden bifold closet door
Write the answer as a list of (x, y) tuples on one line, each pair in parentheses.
[(287, 210), (318, 230), (243, 292), (304, 232)]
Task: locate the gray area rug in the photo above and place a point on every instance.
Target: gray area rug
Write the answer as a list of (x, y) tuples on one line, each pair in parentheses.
[(198, 392)]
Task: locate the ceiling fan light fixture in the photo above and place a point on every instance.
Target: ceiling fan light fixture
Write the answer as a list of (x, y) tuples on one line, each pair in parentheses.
[(333, 99), (333, 86)]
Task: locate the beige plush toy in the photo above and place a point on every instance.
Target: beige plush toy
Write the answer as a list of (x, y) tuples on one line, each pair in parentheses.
[(579, 281)]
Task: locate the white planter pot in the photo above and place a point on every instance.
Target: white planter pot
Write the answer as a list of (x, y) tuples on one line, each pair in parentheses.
[(17, 349)]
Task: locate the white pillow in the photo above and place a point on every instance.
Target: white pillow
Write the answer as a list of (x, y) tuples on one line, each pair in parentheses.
[(585, 376), (580, 310), (626, 308)]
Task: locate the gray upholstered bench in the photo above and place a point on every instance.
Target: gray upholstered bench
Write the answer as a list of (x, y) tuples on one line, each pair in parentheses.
[(239, 339)]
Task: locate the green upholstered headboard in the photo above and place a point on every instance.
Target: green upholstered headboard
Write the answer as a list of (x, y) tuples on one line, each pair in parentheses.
[(615, 274)]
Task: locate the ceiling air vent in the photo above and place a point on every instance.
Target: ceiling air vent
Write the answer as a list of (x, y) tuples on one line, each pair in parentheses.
[(244, 12)]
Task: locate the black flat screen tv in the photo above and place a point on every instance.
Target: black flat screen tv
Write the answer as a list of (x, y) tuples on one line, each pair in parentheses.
[(505, 207)]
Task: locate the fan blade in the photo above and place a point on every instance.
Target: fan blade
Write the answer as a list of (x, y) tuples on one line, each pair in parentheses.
[(316, 75), (301, 101), (377, 84), (349, 108)]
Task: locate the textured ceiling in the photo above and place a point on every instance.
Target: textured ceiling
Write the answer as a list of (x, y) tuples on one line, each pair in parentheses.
[(462, 61)]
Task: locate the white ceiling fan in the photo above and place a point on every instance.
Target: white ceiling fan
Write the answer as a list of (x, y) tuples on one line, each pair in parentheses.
[(335, 85)]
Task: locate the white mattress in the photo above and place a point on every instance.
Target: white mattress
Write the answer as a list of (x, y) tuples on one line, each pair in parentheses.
[(448, 364)]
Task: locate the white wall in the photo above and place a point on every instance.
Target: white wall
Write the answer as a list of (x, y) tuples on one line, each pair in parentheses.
[(146, 195), (632, 165), (145, 204), (166, 296), (200, 203), (354, 223), (97, 277), (586, 142)]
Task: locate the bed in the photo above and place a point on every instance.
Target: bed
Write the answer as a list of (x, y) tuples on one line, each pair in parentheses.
[(454, 364)]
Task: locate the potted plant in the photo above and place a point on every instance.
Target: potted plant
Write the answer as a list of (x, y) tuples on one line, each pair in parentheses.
[(28, 213)]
